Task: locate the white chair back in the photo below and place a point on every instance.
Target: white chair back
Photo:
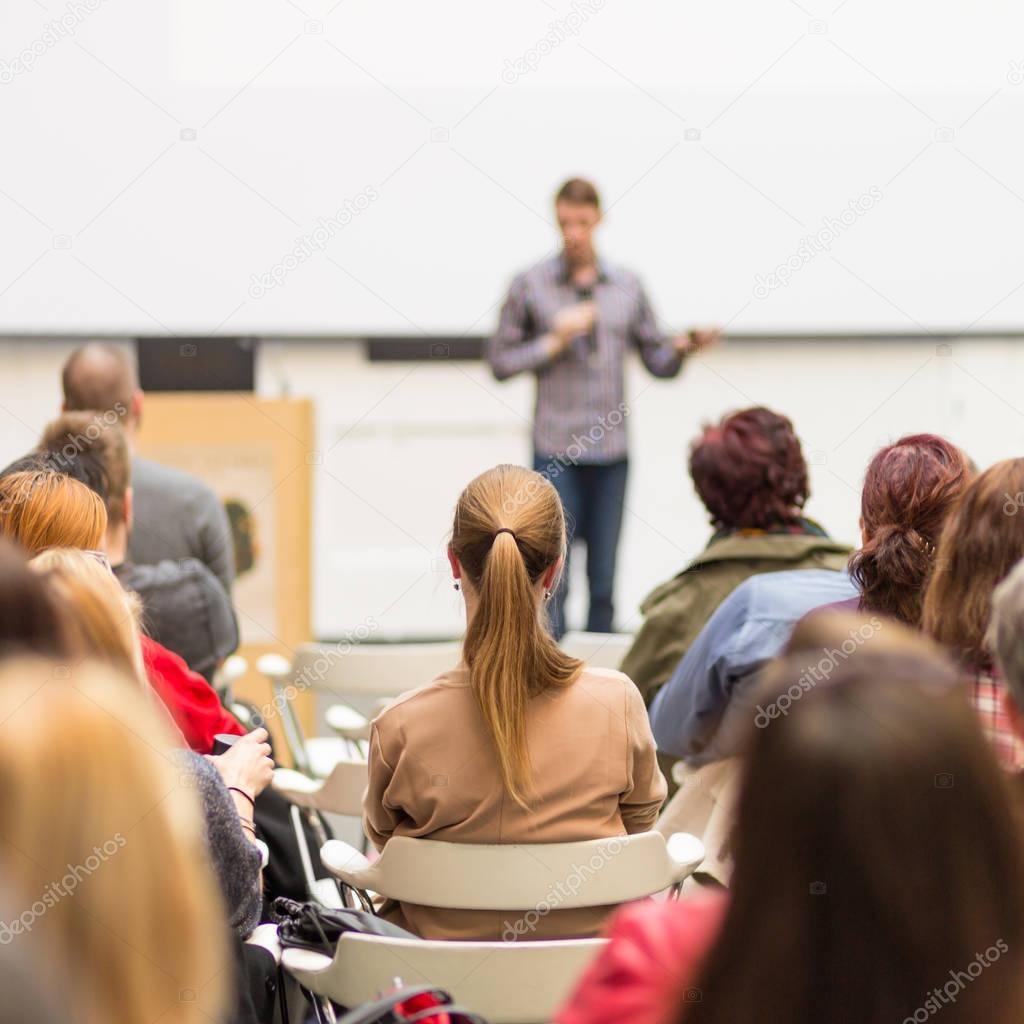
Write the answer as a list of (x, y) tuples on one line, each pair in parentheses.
[(521, 982), (506, 983), (340, 793), (372, 670), (460, 876), (599, 650)]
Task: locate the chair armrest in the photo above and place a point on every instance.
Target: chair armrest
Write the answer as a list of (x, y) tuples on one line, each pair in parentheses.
[(265, 936), (305, 960), (347, 863), (686, 853), (347, 722), (298, 788), (275, 666)]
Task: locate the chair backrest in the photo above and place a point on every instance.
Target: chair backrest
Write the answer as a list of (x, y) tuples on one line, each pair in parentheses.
[(374, 670), (505, 982), (599, 650), (460, 876)]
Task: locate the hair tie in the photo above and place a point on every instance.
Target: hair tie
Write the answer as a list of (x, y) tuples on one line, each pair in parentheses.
[(505, 529)]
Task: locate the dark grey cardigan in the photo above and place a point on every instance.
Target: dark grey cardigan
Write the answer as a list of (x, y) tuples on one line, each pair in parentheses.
[(237, 861)]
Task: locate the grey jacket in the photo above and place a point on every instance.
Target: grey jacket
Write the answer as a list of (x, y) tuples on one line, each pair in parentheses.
[(178, 516), (185, 608)]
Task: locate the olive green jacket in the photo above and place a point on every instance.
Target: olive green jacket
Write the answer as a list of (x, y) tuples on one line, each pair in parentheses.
[(676, 612)]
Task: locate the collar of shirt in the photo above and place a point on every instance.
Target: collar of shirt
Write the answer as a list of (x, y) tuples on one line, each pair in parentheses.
[(603, 270)]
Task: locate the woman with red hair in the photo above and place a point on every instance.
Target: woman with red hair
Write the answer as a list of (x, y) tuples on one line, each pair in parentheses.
[(909, 489), (702, 714), (982, 540), (750, 473)]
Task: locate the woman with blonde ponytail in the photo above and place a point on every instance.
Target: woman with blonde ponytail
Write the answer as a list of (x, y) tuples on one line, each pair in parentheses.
[(519, 743)]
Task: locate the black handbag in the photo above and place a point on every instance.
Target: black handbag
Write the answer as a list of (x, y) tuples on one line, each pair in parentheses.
[(311, 926)]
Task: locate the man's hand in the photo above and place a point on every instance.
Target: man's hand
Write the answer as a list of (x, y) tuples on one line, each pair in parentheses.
[(573, 321), (697, 339)]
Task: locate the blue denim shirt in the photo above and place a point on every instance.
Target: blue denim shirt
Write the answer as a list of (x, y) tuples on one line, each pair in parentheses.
[(750, 627)]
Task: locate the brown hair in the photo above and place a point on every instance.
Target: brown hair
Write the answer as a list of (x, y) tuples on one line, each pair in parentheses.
[(981, 542), (578, 191), (75, 433), (30, 617), (908, 491), (510, 654), (877, 853), (99, 376), (44, 509), (105, 848)]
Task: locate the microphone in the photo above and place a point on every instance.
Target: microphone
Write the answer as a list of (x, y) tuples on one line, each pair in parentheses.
[(588, 341)]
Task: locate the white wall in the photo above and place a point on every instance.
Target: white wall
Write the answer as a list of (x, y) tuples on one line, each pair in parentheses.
[(170, 150), (399, 440)]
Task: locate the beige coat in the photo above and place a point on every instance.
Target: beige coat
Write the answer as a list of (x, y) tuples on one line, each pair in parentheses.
[(434, 774)]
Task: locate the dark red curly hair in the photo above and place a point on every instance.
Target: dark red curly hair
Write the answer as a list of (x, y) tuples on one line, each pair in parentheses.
[(909, 490), (749, 470)]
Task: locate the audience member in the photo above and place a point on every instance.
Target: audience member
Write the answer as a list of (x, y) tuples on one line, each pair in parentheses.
[(61, 512), (519, 743), (749, 472), (30, 619), (980, 543), (100, 619), (104, 849), (103, 619), (176, 515), (879, 872), (705, 710), (186, 608), (1005, 642), (42, 509), (908, 491)]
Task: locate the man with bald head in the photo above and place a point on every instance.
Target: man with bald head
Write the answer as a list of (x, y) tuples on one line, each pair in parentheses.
[(175, 515)]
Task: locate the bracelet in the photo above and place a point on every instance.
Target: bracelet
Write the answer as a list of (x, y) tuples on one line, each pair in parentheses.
[(242, 792), (247, 824)]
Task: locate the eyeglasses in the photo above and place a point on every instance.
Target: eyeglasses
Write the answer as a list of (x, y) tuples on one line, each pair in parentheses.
[(99, 556)]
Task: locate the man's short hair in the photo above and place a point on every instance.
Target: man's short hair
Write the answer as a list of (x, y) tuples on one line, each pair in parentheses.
[(86, 436), (1005, 637), (99, 376), (580, 192)]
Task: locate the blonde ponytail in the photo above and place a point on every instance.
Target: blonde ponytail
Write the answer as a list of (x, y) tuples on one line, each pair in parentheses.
[(509, 531)]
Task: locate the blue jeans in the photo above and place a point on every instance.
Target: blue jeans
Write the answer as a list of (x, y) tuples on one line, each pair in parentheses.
[(592, 496)]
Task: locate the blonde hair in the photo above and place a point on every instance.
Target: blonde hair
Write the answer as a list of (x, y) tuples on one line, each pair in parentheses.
[(101, 618), (508, 649), (44, 509), (105, 848)]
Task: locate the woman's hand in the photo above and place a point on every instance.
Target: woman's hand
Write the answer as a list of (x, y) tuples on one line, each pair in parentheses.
[(247, 765)]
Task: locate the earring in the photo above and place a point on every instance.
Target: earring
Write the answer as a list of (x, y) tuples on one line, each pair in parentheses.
[(547, 594), (456, 584)]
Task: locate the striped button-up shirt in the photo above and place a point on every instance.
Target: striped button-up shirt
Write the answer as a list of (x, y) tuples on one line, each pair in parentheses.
[(580, 407)]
